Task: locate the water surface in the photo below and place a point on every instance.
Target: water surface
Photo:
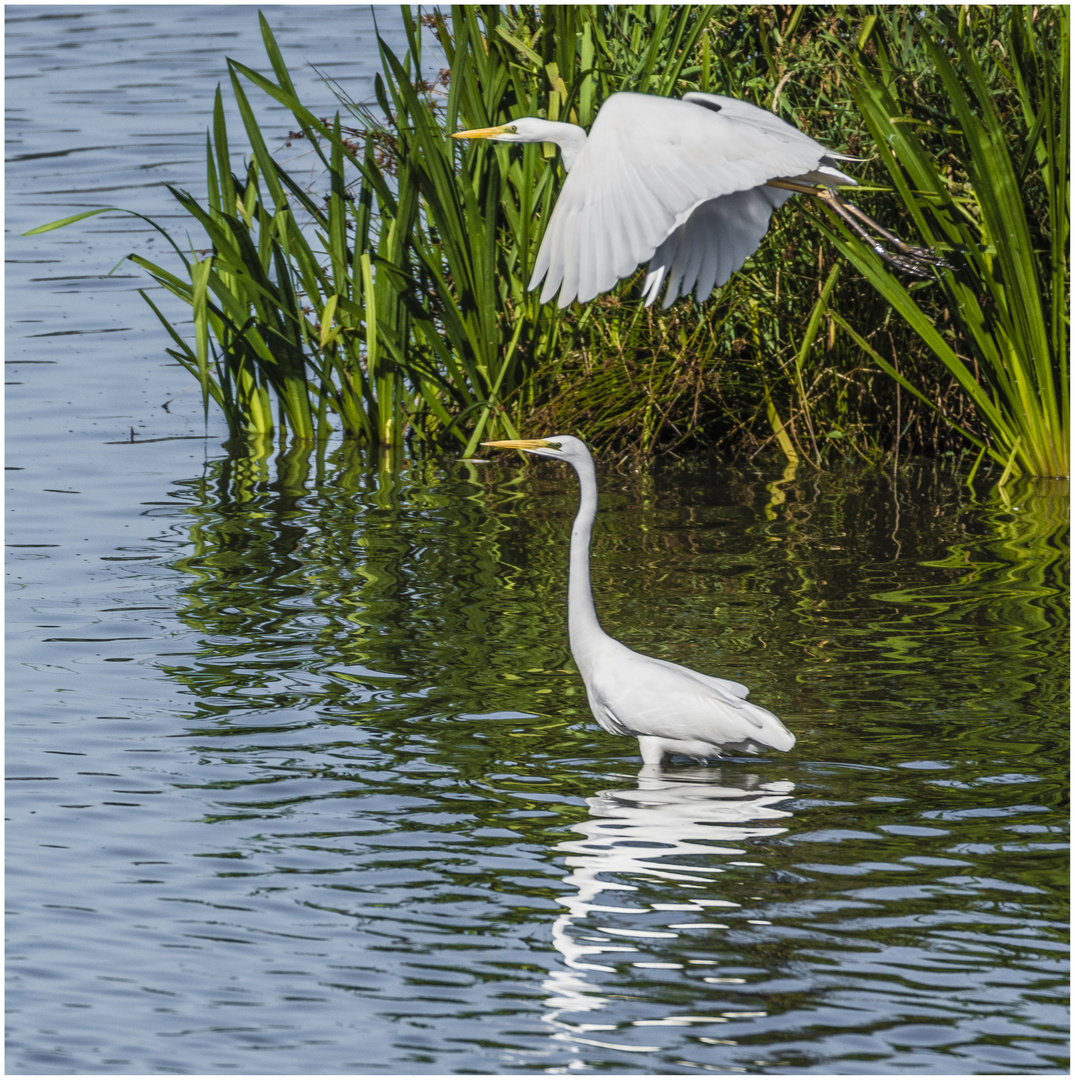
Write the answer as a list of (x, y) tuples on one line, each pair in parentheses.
[(301, 777)]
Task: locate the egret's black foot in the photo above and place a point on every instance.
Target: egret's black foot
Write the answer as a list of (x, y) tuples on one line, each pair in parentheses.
[(914, 261), (927, 256)]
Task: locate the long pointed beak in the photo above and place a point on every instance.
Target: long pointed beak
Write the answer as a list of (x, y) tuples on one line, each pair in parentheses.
[(479, 133), (519, 444)]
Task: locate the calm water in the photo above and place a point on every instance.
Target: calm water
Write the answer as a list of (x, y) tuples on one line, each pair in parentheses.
[(302, 779)]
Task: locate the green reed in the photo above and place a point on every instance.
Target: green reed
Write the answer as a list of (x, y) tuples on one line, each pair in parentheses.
[(989, 186), (392, 305), (396, 306)]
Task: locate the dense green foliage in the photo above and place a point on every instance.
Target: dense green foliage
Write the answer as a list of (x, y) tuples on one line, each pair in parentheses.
[(994, 192), (395, 307)]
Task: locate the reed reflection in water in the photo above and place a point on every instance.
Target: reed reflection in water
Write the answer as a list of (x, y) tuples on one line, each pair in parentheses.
[(430, 608), (379, 832)]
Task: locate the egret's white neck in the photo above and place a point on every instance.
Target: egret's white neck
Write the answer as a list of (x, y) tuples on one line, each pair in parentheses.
[(583, 627), (569, 137)]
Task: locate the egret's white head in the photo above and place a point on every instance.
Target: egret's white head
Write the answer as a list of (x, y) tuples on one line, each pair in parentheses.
[(525, 129), (565, 447), (570, 138)]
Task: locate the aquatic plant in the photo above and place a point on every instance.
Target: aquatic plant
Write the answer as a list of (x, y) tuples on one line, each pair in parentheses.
[(393, 304), (992, 189), (396, 305)]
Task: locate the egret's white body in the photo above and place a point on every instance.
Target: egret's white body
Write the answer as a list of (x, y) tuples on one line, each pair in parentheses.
[(686, 185), (680, 184), (670, 709)]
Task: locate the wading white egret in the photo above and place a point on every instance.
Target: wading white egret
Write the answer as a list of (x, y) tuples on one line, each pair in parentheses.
[(686, 185), (670, 709)]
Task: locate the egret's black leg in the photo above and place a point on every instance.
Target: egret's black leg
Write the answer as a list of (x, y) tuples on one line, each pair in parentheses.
[(907, 258)]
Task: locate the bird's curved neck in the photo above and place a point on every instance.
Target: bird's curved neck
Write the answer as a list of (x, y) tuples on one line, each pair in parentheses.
[(582, 625), (570, 138)]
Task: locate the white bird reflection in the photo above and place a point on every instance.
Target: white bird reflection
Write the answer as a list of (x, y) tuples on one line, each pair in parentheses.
[(640, 833)]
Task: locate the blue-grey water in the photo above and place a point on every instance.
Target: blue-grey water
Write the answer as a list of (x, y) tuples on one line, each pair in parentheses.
[(301, 777)]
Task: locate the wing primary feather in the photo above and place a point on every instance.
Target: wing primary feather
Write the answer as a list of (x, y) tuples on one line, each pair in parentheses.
[(570, 287), (668, 255), (652, 284), (607, 246), (585, 243), (636, 208), (603, 273), (694, 255), (707, 273)]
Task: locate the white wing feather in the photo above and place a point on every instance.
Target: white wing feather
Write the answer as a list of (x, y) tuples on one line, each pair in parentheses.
[(659, 699), (650, 164), (727, 230)]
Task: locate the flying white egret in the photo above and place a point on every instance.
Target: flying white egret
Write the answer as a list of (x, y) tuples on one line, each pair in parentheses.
[(670, 709), (687, 186)]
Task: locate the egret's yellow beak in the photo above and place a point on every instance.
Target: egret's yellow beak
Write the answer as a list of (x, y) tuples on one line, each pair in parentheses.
[(519, 444), (480, 133)]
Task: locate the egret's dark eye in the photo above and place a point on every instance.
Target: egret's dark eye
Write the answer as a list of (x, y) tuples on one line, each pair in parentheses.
[(554, 445), (512, 128)]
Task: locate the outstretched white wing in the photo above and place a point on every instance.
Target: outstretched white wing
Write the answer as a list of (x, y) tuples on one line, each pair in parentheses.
[(704, 252), (648, 165)]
